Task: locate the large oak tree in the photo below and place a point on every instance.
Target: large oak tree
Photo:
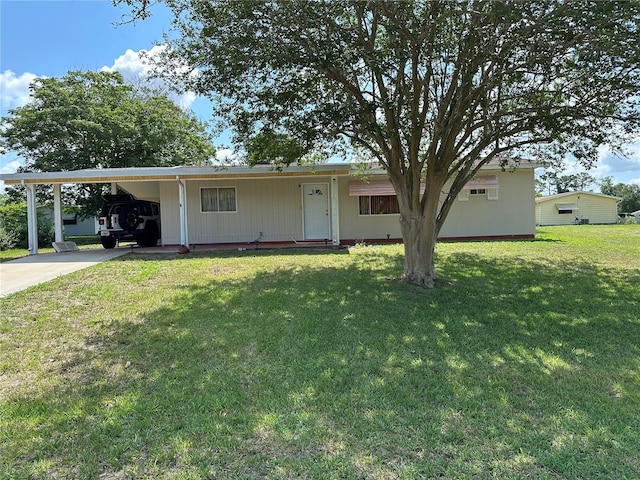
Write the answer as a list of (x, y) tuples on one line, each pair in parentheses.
[(432, 90), (97, 120)]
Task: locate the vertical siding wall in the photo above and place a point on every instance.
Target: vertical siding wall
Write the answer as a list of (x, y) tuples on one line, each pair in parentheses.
[(169, 213), (272, 206), (511, 214), (354, 226), (144, 190), (594, 208)]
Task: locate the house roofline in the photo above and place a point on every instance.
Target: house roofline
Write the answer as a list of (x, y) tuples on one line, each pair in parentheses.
[(132, 174), (565, 194), (107, 175)]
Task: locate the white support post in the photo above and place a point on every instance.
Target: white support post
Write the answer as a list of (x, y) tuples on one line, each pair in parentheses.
[(182, 198), (335, 219), (32, 219), (114, 188), (57, 213)]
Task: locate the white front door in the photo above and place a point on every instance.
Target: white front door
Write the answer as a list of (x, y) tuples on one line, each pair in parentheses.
[(315, 200)]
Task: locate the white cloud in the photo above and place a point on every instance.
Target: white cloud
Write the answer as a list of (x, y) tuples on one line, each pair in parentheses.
[(625, 169), (11, 167), (137, 67), (14, 90), (14, 93), (226, 156), (131, 65)]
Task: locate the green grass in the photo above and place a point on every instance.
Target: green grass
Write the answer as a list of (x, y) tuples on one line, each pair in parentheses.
[(523, 363), (88, 241)]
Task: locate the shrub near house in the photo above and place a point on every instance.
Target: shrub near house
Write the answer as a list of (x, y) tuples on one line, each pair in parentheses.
[(13, 227)]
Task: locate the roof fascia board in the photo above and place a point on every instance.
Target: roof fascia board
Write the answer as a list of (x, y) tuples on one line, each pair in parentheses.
[(204, 173), (166, 174), (565, 194)]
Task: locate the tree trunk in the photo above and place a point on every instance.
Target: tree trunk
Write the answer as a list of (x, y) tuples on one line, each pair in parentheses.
[(419, 234)]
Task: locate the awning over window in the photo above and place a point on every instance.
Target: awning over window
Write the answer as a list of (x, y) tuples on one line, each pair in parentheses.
[(374, 187), (384, 187), (482, 181), (567, 206)]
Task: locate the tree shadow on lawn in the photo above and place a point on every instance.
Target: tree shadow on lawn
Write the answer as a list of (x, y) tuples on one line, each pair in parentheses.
[(515, 369)]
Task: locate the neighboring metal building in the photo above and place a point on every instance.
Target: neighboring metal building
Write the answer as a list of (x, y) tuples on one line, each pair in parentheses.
[(577, 208), (331, 202)]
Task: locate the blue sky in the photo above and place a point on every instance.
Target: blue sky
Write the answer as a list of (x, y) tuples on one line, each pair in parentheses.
[(52, 37), (49, 38)]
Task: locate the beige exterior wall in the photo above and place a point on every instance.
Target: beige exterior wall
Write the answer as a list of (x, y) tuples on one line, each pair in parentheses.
[(594, 208), (354, 226), (146, 190), (274, 206), (169, 213), (512, 213)]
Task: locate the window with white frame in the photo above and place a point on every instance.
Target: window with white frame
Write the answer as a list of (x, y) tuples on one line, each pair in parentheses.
[(480, 186), (378, 205), (218, 199)]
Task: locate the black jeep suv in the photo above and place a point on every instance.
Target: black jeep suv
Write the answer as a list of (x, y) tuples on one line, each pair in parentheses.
[(123, 217)]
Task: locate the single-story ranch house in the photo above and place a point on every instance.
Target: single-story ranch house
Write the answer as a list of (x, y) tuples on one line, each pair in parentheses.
[(577, 207), (330, 202)]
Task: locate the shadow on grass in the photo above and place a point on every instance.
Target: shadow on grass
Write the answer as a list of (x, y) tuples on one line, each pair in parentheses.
[(515, 369)]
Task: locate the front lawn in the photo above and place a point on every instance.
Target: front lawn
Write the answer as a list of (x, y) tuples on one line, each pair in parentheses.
[(316, 364)]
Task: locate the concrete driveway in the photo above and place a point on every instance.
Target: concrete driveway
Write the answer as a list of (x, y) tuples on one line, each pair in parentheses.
[(24, 272)]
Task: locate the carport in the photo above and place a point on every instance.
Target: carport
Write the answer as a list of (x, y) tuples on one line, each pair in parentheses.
[(108, 175), (179, 175)]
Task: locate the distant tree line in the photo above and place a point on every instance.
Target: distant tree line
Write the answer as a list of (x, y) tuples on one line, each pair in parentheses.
[(630, 194), (554, 181)]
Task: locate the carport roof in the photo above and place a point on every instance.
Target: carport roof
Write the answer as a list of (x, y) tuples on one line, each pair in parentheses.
[(132, 174), (107, 175)]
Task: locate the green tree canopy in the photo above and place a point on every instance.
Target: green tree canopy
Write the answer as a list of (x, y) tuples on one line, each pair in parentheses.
[(554, 181), (432, 90), (629, 193), (96, 120)]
